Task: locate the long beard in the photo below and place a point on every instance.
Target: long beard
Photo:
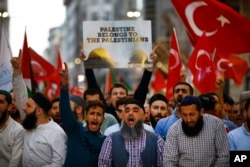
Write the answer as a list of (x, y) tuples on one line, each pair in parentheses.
[(128, 132), (29, 121), (194, 131), (3, 116)]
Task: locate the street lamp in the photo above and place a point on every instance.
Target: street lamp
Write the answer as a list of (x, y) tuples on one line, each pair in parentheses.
[(4, 14), (133, 14)]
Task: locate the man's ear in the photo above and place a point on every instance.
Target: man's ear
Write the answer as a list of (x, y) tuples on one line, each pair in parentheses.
[(79, 110), (202, 111)]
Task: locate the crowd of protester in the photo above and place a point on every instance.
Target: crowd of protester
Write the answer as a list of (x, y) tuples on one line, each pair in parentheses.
[(131, 130)]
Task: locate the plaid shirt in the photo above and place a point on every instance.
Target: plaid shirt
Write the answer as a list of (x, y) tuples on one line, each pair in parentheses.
[(134, 147), (209, 148)]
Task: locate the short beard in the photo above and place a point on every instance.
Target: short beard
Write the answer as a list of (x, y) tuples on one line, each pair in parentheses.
[(29, 121), (195, 130), (3, 117), (153, 121), (128, 132)]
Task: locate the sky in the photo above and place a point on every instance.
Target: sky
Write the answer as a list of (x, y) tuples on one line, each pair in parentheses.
[(37, 17)]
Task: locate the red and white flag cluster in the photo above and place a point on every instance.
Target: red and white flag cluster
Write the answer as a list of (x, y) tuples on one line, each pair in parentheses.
[(35, 69), (224, 30)]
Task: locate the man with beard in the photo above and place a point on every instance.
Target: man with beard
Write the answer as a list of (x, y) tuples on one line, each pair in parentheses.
[(119, 108), (44, 140), (196, 139), (77, 106), (181, 89), (11, 134), (239, 138), (158, 106), (84, 143), (132, 145)]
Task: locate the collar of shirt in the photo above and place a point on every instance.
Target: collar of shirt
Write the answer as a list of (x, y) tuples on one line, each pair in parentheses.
[(5, 125)]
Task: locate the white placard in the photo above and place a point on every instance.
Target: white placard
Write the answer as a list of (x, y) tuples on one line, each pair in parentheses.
[(117, 44)]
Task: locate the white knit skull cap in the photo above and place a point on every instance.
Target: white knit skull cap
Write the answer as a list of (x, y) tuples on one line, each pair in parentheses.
[(244, 95)]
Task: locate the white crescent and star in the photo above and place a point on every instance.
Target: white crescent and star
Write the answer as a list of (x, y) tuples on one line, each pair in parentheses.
[(223, 60), (202, 52), (41, 73), (189, 13), (177, 61)]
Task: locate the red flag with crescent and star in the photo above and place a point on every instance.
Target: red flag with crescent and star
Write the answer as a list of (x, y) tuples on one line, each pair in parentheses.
[(41, 68), (226, 29), (232, 66), (201, 66), (174, 65)]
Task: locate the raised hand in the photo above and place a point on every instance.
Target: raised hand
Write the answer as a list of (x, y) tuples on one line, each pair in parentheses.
[(64, 75), (153, 57), (16, 63), (82, 55)]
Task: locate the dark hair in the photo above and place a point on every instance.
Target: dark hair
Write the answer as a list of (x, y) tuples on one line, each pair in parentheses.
[(56, 99), (122, 101), (136, 102), (158, 96), (93, 91), (94, 104), (228, 99), (191, 89), (189, 100), (118, 85), (213, 94), (207, 102), (247, 104)]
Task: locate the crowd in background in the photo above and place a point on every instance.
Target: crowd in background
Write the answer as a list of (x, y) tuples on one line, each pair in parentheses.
[(128, 130)]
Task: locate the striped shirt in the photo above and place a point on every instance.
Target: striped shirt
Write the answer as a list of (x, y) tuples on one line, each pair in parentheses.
[(209, 148), (134, 147)]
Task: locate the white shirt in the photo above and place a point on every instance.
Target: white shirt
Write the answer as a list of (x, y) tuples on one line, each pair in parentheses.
[(116, 127), (20, 92), (11, 143), (45, 146)]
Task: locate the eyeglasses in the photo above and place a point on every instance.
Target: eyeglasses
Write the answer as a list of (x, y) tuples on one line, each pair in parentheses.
[(182, 90)]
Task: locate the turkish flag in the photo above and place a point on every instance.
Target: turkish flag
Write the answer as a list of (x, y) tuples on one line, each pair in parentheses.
[(75, 91), (159, 81), (202, 67), (41, 68), (174, 66), (225, 29), (50, 92), (232, 66)]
